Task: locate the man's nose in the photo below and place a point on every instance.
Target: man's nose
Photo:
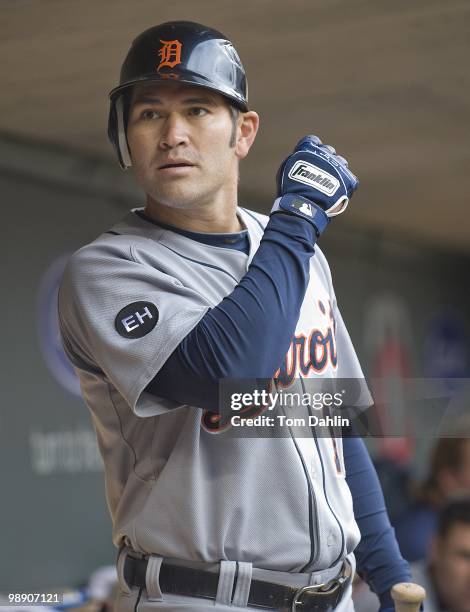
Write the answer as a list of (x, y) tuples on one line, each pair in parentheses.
[(174, 131)]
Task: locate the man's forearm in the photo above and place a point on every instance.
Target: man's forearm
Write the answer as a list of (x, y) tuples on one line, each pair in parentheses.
[(248, 334), (379, 561)]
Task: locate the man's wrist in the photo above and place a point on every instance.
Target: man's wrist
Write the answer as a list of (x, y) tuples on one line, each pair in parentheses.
[(302, 207)]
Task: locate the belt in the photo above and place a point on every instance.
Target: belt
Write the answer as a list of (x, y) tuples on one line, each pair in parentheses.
[(181, 580)]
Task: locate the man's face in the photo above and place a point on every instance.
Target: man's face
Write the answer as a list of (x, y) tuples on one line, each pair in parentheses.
[(451, 568), (456, 480), (180, 142)]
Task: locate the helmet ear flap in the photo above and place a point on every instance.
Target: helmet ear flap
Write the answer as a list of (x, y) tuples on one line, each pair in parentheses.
[(117, 130), (123, 147)]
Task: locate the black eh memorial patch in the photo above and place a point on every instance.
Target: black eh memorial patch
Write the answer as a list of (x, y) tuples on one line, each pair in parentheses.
[(136, 320)]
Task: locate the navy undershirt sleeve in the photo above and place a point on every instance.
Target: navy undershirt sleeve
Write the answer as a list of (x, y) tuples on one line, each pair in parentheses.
[(248, 333), (379, 561)]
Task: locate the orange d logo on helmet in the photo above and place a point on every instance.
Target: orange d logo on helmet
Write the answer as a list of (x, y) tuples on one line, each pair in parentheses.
[(170, 54)]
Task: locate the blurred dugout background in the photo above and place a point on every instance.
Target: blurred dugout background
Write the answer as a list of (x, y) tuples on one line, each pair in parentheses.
[(386, 83)]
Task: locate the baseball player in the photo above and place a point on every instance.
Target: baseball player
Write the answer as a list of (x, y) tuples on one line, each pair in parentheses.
[(188, 290)]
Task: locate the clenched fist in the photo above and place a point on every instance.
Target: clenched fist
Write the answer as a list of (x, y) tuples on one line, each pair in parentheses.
[(314, 182)]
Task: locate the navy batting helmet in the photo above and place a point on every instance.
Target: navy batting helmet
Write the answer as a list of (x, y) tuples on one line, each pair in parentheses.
[(184, 51)]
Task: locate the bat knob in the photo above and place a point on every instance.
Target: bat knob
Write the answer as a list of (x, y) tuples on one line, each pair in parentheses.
[(408, 596)]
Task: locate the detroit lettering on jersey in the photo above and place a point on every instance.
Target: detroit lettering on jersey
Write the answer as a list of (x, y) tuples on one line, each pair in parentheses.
[(313, 353), (307, 354)]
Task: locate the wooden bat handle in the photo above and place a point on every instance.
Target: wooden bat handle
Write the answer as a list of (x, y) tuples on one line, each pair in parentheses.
[(408, 596)]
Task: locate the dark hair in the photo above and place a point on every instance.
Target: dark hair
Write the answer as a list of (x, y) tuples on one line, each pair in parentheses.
[(448, 455), (456, 511), (126, 105), (234, 112)]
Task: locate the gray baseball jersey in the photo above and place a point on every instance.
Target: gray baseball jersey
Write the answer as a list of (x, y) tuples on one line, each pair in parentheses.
[(174, 487)]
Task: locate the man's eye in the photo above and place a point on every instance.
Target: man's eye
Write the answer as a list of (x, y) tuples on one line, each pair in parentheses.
[(197, 111), (149, 114)]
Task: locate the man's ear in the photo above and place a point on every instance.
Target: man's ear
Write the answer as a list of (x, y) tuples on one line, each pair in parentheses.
[(247, 128)]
